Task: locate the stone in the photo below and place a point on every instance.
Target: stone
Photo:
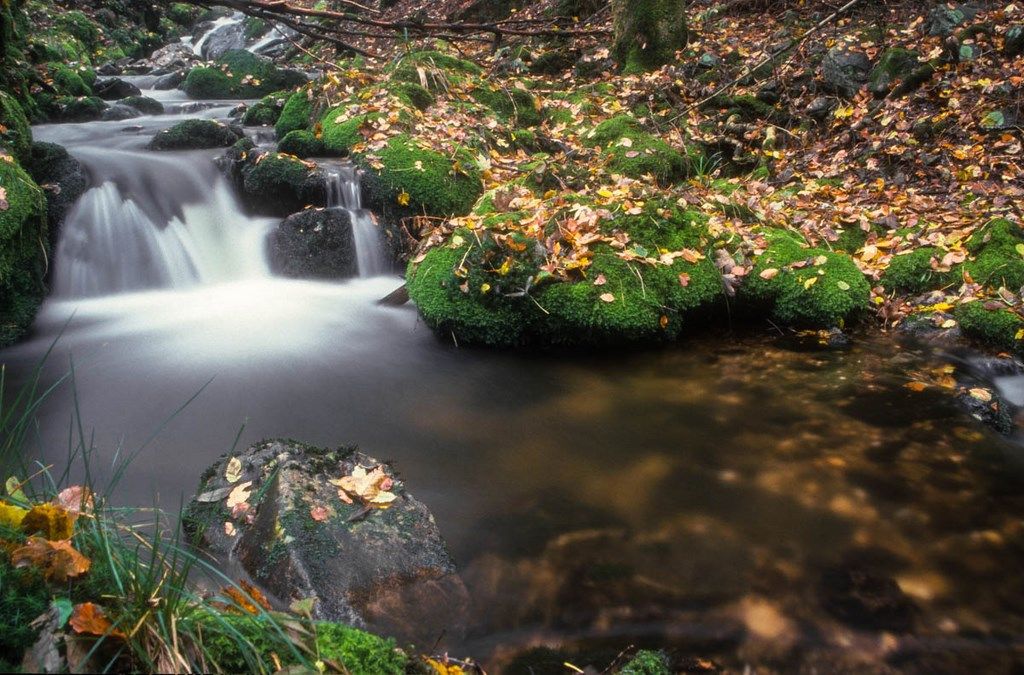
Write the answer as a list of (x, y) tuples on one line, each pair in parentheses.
[(386, 570), (118, 112), (314, 244), (169, 81), (943, 20), (845, 70), (62, 178), (1013, 42), (222, 40), (114, 89), (865, 598)]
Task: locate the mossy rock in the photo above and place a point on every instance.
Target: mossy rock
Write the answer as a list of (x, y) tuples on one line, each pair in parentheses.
[(633, 152), (195, 135), (295, 114), (240, 74), (183, 14), (279, 185), (995, 327), (811, 288), (74, 108), (80, 26), (747, 108), (49, 163), (302, 144), (266, 111), (430, 182), (68, 81), (998, 255), (512, 105), (914, 272), (144, 104), (432, 70), (340, 137), (24, 249), (896, 63), (15, 133)]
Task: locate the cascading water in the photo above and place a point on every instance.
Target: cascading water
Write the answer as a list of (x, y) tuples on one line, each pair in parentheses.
[(343, 192)]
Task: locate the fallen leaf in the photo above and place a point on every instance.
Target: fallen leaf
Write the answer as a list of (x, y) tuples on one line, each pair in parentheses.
[(233, 472), (607, 297), (916, 386), (600, 280), (983, 395), (76, 499), (58, 560), (239, 494), (768, 274), (318, 513), (684, 279)]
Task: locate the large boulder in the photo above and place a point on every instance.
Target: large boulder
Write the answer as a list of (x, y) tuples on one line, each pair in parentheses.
[(62, 178), (223, 39), (114, 89), (314, 244), (118, 112), (240, 74), (171, 80), (335, 525), (277, 185), (194, 135), (845, 70)]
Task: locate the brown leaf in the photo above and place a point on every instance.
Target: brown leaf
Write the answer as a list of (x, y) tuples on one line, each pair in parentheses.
[(88, 619)]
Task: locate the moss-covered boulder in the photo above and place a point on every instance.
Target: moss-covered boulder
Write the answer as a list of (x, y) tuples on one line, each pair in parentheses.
[(413, 95), (314, 244), (515, 106), (115, 88), (341, 132), (633, 152), (997, 251), (478, 292), (276, 184), (997, 326), (302, 144), (15, 133), (62, 178), (918, 271), (432, 70), (266, 111), (23, 249), (406, 174), (240, 74), (373, 556), (144, 104), (195, 135), (67, 81), (648, 33), (805, 287), (74, 108), (295, 114), (894, 64)]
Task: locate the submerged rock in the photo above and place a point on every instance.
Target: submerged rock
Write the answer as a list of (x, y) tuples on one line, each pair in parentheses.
[(314, 244), (385, 569), (867, 599)]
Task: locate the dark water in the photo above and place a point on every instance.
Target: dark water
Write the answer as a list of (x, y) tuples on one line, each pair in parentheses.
[(731, 499)]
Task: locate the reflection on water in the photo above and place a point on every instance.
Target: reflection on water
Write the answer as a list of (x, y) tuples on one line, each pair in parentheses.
[(734, 501)]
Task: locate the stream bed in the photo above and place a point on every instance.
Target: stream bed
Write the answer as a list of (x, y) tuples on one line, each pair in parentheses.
[(736, 499)]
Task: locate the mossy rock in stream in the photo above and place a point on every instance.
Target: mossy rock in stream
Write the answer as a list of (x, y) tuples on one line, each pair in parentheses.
[(997, 327), (266, 111), (461, 298), (302, 144), (144, 104), (916, 272), (424, 181), (295, 114), (16, 134), (804, 287), (67, 81), (278, 185), (359, 652), (240, 74), (49, 163), (341, 132), (997, 255), (24, 246), (195, 135), (73, 108), (633, 152)]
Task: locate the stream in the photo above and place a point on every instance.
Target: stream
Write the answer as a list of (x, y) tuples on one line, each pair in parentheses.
[(715, 497)]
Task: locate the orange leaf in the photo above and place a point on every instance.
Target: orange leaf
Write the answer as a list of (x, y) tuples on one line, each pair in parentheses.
[(58, 560), (88, 618)]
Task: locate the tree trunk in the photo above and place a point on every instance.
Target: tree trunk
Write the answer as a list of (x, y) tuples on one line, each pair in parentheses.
[(648, 32)]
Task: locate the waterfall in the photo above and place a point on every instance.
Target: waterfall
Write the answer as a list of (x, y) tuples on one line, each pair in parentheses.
[(343, 192), (155, 222)]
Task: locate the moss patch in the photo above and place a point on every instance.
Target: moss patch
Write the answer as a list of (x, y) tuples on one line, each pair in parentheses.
[(144, 104), (193, 135), (995, 327), (23, 250), (302, 144), (266, 111), (916, 273), (633, 152), (339, 137), (515, 106), (278, 185), (239, 74), (295, 114), (998, 250), (15, 133)]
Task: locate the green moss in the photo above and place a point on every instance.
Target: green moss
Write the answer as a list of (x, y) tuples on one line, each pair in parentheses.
[(301, 143), (995, 327), (339, 137), (359, 652), (997, 260), (295, 114), (413, 95), (240, 74), (838, 293), (77, 24), (646, 662), (278, 184), (648, 33), (894, 64), (144, 104), (850, 239), (67, 81), (254, 27), (747, 108), (633, 152), (193, 135), (513, 105), (436, 184), (183, 14), (432, 70), (913, 273), (23, 598), (266, 111), (15, 133), (77, 108), (23, 251)]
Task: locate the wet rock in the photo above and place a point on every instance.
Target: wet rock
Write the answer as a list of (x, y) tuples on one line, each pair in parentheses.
[(109, 69), (114, 89), (845, 70), (865, 598), (986, 406), (387, 570), (224, 39), (943, 20), (278, 185), (820, 108), (62, 178), (194, 135), (314, 244), (169, 81), (173, 57), (119, 112)]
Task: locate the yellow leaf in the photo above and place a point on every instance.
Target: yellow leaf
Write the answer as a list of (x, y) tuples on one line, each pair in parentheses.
[(810, 282), (843, 112), (843, 286), (233, 472), (50, 520), (916, 386), (11, 516), (948, 323), (485, 288), (403, 198), (769, 273), (607, 297), (1019, 334), (239, 495), (983, 395)]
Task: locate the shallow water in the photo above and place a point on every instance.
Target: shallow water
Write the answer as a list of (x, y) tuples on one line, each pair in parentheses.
[(704, 497)]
